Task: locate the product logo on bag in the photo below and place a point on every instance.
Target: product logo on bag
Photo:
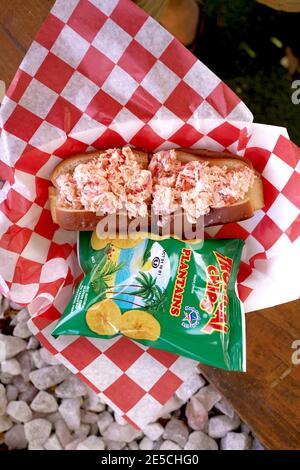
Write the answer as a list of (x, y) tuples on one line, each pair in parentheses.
[(180, 283), (215, 298), (191, 318)]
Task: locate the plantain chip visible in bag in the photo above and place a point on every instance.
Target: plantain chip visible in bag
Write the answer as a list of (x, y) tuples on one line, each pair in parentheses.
[(165, 293)]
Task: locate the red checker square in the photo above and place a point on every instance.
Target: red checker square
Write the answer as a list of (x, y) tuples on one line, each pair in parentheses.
[(287, 151), (41, 187), (86, 20), (96, 66), (223, 99), (125, 393), (69, 147), (51, 288), (108, 139), (15, 206), (233, 231), (164, 357), (63, 115), (165, 387), (143, 105), (59, 251), (6, 173), (42, 339), (45, 225), (54, 73), (267, 232), (244, 292), (225, 134), (147, 138), (137, 61), (270, 193), (45, 318), (131, 23), (89, 384), (22, 123), (258, 157), (27, 271), (18, 85), (244, 271), (186, 136), (292, 189), (81, 353), (49, 31), (15, 239), (183, 101), (69, 278), (31, 160), (244, 139), (124, 353), (293, 232), (103, 108), (169, 58), (258, 256)]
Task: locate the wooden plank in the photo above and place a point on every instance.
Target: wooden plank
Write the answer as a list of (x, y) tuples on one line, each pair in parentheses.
[(267, 397)]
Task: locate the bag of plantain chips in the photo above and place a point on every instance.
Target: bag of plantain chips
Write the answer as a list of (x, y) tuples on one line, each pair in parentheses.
[(168, 294)]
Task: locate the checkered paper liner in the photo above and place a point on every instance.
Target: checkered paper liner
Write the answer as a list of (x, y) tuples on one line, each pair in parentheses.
[(100, 74)]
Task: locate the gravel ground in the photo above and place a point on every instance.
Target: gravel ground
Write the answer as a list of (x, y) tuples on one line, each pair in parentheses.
[(44, 407)]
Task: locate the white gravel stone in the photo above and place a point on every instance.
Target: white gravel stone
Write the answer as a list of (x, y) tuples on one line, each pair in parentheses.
[(3, 400), (133, 445), (63, 433), (169, 445), (11, 366), (119, 419), (19, 411), (173, 404), (93, 402), (197, 415), (105, 419), (91, 443), (37, 431), (29, 394), (236, 441), (219, 426), (256, 445), (21, 330), (153, 431), (36, 359), (11, 393), (48, 376), (5, 423), (44, 403), (72, 387), (118, 433), (20, 383), (113, 445), (15, 438), (146, 444), (73, 444), (70, 412), (53, 443), (224, 407), (53, 417), (26, 364), (33, 446), (189, 387), (6, 379), (208, 396), (88, 417), (48, 358), (83, 430), (22, 316), (176, 431), (33, 343), (10, 347), (198, 440)]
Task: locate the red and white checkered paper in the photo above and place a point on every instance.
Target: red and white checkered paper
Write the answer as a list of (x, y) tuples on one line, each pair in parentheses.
[(100, 74)]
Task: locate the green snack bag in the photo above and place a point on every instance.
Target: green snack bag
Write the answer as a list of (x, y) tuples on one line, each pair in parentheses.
[(165, 293)]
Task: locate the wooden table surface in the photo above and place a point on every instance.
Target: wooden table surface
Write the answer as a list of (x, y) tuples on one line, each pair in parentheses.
[(267, 397)]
